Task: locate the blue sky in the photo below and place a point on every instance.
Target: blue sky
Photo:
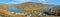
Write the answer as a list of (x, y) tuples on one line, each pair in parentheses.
[(53, 1), (22, 1)]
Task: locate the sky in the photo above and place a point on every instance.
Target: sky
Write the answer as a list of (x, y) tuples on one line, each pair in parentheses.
[(22, 1)]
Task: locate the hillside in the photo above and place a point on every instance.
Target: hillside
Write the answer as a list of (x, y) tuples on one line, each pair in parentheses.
[(31, 6), (28, 6)]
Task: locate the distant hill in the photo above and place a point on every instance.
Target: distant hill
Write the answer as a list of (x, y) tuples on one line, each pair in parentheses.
[(3, 6), (31, 6)]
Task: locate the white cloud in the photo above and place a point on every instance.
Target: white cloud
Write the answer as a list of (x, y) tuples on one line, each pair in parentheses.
[(12, 2), (22, 1), (43, 1), (18, 1)]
